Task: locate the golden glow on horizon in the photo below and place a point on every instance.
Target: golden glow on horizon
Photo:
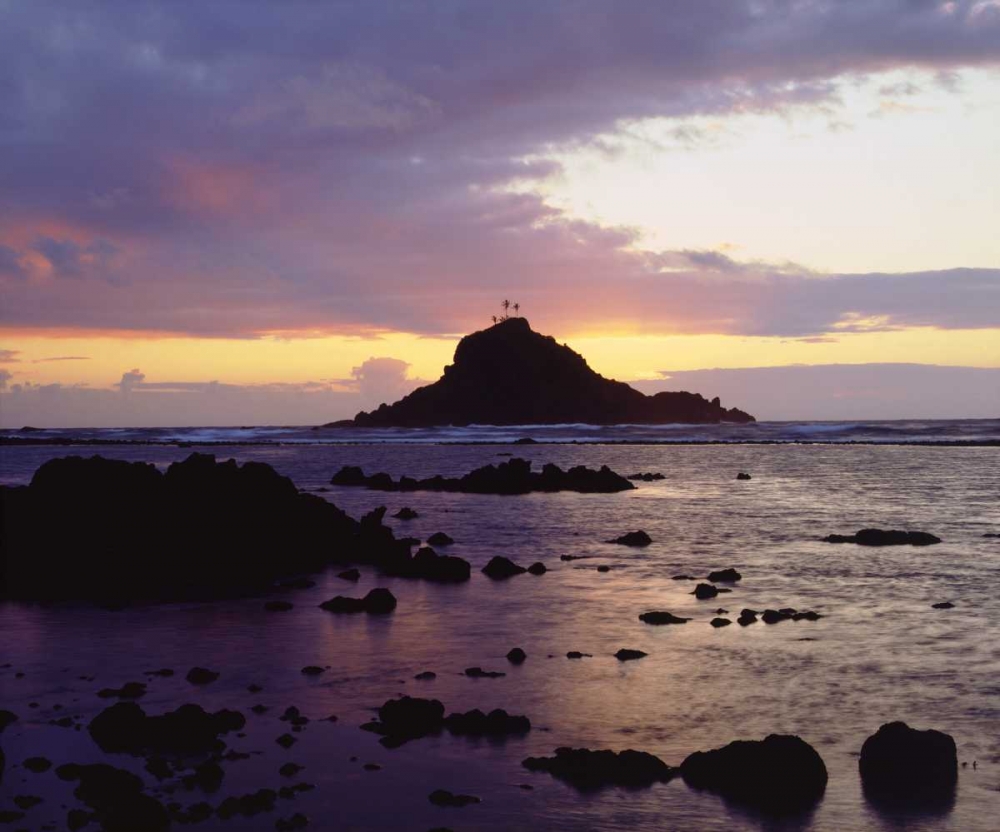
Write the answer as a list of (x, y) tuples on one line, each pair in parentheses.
[(331, 358)]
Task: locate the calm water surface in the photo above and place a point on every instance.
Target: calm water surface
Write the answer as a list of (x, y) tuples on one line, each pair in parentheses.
[(880, 653)]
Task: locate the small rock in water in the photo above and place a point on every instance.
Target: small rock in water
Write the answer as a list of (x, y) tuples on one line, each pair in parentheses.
[(37, 765), (747, 617), (442, 797), (425, 676), (603, 568), (349, 575), (576, 654), (130, 690), (290, 769), (684, 578), (201, 676), (406, 513), (500, 568), (647, 477), (588, 770), (537, 568), (881, 537), (494, 724), (440, 539), (516, 655), (278, 606), (312, 670), (658, 617), (479, 673), (286, 741), (636, 538), (743, 475), (720, 622), (724, 576), (943, 605), (626, 655), (292, 824), (377, 602), (705, 591)]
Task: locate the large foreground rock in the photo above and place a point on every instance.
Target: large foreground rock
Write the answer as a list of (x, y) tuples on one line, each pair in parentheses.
[(107, 529), (116, 797), (901, 763), (588, 770), (779, 774), (511, 375), (883, 537), (512, 477)]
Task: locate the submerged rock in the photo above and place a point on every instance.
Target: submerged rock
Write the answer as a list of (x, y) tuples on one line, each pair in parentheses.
[(516, 655), (659, 618), (278, 606), (125, 727), (130, 690), (647, 477), (442, 797), (587, 770), (201, 676), (406, 513), (881, 537), (724, 576), (377, 602), (537, 568), (511, 477), (779, 774), (636, 538), (500, 568), (479, 673), (900, 763), (440, 539), (626, 655), (496, 723)]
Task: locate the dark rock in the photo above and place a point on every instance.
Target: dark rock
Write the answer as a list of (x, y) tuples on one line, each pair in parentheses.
[(7, 718), (254, 688), (724, 576), (747, 617), (902, 764), (537, 568), (496, 723), (159, 768), (406, 513), (705, 591), (208, 777), (27, 801), (603, 568), (407, 718), (164, 673), (130, 690), (371, 767), (684, 578), (440, 539), (294, 716), (77, 819), (992, 534), (125, 727), (442, 797), (349, 575), (10, 816), (377, 602), (779, 774), (479, 673), (742, 475), (525, 440), (588, 770), (278, 606), (222, 530), (637, 538), (774, 616), (943, 605), (313, 670), (116, 798), (201, 676), (646, 477), (295, 822), (511, 477), (297, 583), (576, 654), (425, 676), (881, 537), (286, 741), (659, 617), (720, 622), (290, 769), (511, 375), (500, 568), (248, 805), (516, 655), (431, 566), (37, 765), (625, 655)]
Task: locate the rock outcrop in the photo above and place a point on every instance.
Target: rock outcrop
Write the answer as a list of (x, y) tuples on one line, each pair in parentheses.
[(589, 770), (511, 375), (901, 764), (883, 537)]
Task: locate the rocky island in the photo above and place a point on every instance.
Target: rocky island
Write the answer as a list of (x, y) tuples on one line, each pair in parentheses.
[(511, 375)]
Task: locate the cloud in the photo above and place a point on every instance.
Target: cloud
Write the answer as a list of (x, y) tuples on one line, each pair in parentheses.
[(5, 376), (9, 356), (846, 391), (380, 380), (359, 182), (131, 380), (61, 358)]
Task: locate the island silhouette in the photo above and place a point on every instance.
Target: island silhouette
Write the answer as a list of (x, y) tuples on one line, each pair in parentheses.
[(508, 374)]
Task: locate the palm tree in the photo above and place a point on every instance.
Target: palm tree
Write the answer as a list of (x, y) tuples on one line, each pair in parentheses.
[(494, 320), (506, 307), (517, 308)]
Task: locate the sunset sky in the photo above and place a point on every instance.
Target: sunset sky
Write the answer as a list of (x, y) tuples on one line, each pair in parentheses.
[(250, 212)]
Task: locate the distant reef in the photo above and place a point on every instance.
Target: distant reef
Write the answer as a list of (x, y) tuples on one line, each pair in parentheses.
[(511, 375)]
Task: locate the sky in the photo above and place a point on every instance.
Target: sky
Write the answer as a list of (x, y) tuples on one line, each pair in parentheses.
[(281, 213)]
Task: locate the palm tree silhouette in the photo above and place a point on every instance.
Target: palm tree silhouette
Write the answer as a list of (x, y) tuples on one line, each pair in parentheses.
[(517, 308), (506, 306), (494, 319)]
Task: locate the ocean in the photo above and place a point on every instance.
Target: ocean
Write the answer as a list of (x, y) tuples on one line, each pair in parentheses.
[(879, 653)]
